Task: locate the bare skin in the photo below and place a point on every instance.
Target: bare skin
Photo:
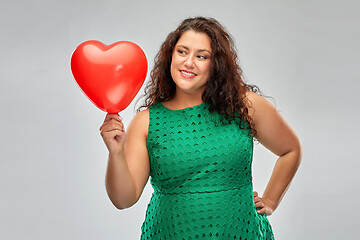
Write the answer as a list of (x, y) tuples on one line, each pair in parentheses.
[(128, 164), (274, 133)]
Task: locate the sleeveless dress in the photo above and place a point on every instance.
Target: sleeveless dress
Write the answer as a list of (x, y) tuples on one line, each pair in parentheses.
[(201, 176)]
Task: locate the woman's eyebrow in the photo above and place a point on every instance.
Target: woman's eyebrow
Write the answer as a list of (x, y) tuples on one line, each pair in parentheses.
[(204, 50), (199, 50)]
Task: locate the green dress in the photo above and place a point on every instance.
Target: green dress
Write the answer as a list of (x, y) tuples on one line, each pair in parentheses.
[(201, 176)]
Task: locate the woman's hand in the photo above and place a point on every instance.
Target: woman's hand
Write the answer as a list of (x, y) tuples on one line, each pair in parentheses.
[(113, 133), (264, 204)]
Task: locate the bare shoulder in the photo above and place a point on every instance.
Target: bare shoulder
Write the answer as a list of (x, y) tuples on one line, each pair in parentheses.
[(142, 115), (258, 106), (273, 131), (140, 122)]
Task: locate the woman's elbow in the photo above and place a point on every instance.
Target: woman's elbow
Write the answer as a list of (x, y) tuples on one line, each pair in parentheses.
[(122, 206), (299, 149), (297, 153)]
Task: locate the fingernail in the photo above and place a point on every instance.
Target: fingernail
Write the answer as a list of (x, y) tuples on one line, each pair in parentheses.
[(120, 118), (258, 211)]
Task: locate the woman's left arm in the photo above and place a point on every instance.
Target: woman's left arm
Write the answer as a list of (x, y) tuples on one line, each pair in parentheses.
[(274, 133)]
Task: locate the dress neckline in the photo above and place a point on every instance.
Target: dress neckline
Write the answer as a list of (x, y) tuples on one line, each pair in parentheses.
[(187, 108)]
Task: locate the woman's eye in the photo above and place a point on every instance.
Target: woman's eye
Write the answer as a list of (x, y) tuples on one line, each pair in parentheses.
[(202, 57), (181, 52)]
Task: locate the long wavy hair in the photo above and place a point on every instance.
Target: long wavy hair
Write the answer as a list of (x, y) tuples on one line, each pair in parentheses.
[(226, 88)]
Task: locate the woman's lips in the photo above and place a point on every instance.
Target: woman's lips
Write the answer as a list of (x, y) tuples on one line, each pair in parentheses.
[(187, 74)]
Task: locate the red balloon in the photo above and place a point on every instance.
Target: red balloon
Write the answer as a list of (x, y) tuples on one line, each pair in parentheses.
[(109, 75)]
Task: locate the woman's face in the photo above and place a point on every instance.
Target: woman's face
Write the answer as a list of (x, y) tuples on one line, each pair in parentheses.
[(190, 64)]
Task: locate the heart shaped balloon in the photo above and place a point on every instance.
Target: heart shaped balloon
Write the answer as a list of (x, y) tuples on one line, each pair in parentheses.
[(109, 75)]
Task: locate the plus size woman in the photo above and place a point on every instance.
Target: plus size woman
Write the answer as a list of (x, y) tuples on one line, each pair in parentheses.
[(194, 139)]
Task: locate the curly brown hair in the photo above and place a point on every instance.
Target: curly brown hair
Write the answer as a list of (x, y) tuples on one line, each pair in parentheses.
[(226, 88)]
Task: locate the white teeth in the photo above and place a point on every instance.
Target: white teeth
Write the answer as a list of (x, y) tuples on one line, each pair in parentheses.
[(187, 73)]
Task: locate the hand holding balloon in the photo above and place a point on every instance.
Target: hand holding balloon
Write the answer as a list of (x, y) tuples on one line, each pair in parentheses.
[(113, 133), (110, 76)]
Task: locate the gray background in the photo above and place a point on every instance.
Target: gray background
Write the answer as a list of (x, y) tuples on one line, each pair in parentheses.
[(303, 53)]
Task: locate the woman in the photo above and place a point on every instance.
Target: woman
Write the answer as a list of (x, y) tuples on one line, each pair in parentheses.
[(195, 140)]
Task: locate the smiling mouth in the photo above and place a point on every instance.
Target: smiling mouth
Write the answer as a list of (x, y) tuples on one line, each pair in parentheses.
[(190, 74)]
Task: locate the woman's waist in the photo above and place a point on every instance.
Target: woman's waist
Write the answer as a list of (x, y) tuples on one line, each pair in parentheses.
[(203, 189)]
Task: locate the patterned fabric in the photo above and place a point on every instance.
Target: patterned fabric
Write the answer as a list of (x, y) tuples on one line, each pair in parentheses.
[(201, 176)]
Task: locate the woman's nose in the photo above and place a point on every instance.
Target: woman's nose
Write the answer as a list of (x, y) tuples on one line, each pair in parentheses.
[(189, 62)]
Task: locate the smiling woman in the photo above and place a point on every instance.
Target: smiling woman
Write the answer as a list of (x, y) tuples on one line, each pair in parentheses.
[(195, 142), (190, 65)]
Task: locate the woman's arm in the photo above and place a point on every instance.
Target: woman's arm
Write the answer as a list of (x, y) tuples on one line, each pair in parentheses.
[(128, 164), (274, 133)]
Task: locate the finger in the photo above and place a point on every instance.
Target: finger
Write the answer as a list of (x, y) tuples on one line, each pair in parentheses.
[(257, 199), (255, 193), (259, 205), (112, 116), (108, 129), (112, 123), (112, 134), (262, 210)]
